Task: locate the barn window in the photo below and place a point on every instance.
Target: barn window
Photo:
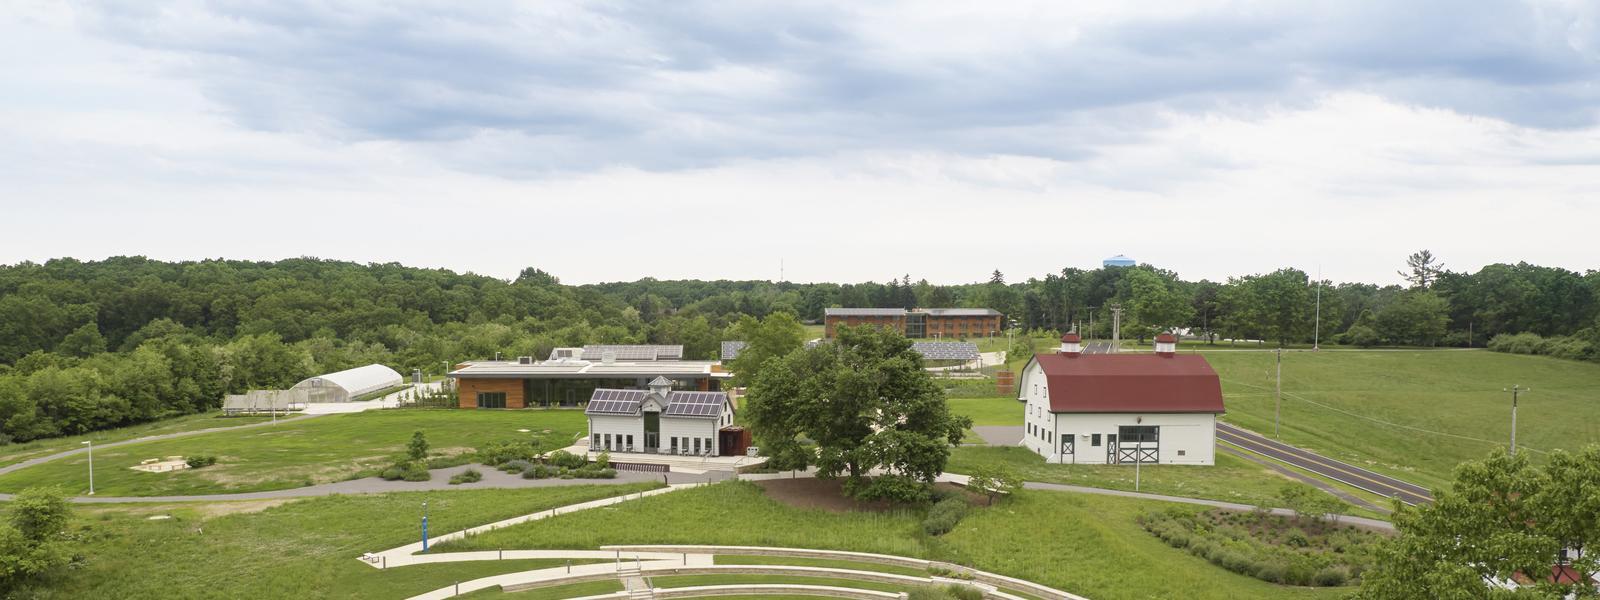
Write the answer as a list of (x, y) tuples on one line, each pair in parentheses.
[(1094, 440)]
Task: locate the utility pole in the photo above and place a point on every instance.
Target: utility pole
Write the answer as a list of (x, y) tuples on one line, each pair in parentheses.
[(1516, 390), (1116, 327), (1277, 394)]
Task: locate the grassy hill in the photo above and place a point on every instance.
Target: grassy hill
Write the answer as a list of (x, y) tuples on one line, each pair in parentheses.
[(1415, 414)]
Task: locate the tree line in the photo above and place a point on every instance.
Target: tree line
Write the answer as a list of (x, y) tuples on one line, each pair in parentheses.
[(88, 345), (1436, 307)]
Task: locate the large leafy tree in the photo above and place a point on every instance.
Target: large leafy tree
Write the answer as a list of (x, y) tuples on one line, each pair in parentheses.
[(765, 339), (1156, 304), (858, 404), (1501, 517), (1277, 306)]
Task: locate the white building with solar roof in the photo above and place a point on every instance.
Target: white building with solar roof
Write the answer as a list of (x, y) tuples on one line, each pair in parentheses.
[(659, 420)]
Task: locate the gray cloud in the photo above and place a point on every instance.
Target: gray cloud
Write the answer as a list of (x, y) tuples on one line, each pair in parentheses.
[(684, 84)]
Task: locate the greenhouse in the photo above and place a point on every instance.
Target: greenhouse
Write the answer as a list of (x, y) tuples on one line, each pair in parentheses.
[(349, 384)]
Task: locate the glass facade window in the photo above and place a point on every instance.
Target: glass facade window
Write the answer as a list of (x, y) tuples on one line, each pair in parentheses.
[(491, 399)]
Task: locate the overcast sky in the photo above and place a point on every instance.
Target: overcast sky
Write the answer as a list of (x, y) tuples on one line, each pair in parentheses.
[(851, 141)]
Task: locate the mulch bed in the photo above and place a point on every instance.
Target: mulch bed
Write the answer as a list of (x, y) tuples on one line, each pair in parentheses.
[(828, 495)]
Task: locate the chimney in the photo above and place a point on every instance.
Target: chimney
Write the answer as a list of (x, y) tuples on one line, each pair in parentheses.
[(1071, 344), (1166, 345)]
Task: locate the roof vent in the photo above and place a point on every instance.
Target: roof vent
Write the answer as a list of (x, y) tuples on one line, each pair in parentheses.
[(608, 357), (524, 360), (1071, 344), (1166, 345)]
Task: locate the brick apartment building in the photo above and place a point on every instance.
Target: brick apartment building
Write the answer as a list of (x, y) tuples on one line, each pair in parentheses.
[(919, 322)]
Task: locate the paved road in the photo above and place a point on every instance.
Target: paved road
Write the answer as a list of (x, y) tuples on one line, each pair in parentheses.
[(1303, 478), (492, 478), (1342, 472), (1097, 348), (999, 435)]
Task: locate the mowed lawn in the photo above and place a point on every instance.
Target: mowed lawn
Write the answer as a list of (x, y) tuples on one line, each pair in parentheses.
[(15, 453), (997, 410), (297, 453), (1413, 414), (300, 549), (1084, 544), (1231, 479)]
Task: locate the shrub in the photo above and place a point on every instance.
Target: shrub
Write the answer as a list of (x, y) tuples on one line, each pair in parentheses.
[(1360, 335), (200, 460), (1297, 538), (944, 515), (467, 476), (1271, 572), (516, 466), (411, 470), (503, 452), (1331, 577), (539, 472), (603, 461), (964, 592), (564, 459)]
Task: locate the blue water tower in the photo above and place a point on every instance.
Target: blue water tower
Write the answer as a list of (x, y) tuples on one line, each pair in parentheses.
[(1118, 261)]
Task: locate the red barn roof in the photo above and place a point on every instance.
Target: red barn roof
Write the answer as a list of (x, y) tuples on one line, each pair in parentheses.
[(1131, 383)]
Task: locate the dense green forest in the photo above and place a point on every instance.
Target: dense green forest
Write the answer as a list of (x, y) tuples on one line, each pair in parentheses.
[(91, 345)]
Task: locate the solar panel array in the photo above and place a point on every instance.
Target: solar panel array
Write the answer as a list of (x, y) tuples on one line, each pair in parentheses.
[(946, 350), (614, 402), (730, 349), (706, 405), (593, 352)]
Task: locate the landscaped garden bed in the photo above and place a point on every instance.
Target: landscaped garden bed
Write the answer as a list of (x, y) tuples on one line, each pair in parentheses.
[(1279, 549)]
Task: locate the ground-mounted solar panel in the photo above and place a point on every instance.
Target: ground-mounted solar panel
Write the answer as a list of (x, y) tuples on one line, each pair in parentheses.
[(946, 350), (731, 349)]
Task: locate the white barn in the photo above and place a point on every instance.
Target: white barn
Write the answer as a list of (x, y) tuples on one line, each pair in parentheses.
[(1121, 408), (348, 384), (658, 421)]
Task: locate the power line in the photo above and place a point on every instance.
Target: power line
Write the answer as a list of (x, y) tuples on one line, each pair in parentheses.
[(1381, 421)]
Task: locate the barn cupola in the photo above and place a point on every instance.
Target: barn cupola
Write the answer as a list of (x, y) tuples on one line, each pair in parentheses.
[(660, 386), (1166, 345), (1071, 344)]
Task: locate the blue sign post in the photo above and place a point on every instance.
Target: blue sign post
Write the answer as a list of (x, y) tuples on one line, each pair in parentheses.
[(424, 526)]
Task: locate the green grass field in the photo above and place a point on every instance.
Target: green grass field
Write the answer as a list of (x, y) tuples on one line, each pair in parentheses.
[(1081, 543), (995, 410), (679, 581), (15, 453), (1413, 414), (294, 454), (555, 592), (301, 549), (1231, 479)]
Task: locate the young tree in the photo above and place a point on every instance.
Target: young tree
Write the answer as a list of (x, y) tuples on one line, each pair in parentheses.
[(33, 541), (865, 402), (993, 481), (417, 448), (1423, 269)]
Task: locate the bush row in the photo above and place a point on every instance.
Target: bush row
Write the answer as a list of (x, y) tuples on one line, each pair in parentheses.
[(945, 514), (1585, 345), (1299, 559)]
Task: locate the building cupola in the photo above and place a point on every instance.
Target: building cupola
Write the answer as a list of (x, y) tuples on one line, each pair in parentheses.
[(660, 386), (1166, 345), (1071, 344)]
